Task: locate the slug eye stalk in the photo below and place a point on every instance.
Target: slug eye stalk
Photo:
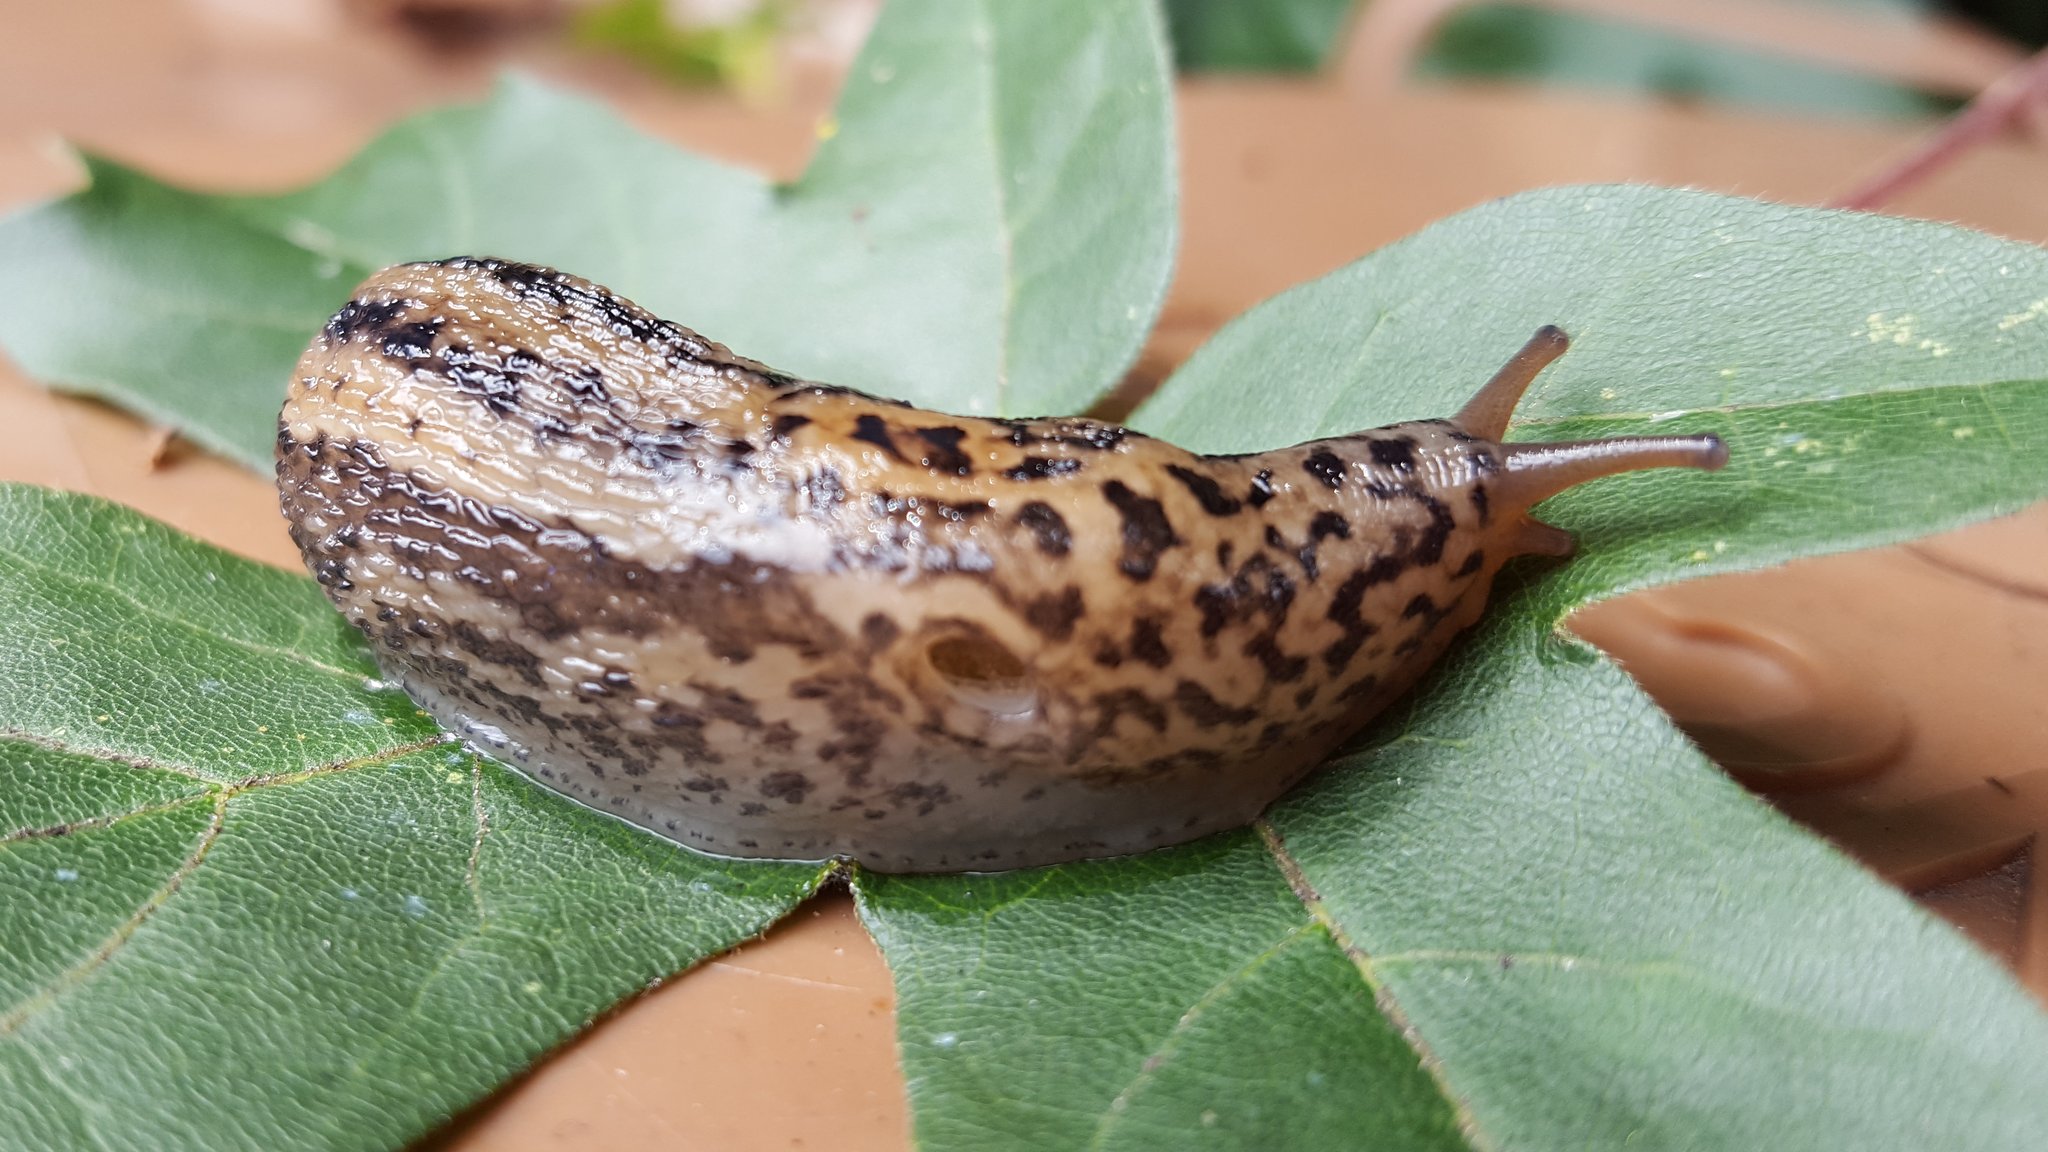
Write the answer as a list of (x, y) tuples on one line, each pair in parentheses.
[(1537, 471)]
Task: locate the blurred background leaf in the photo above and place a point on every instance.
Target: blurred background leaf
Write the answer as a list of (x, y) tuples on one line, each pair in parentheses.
[(1513, 42), (1537, 44), (738, 52), (1255, 35)]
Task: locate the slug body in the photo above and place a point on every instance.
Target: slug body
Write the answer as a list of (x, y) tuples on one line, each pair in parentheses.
[(766, 617)]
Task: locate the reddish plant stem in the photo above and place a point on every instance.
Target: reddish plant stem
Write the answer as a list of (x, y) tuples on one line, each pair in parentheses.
[(1995, 110)]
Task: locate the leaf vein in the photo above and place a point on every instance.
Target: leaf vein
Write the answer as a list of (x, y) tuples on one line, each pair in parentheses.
[(23, 1010), (1177, 1035), (93, 823), (375, 759), (1304, 891), (126, 759)]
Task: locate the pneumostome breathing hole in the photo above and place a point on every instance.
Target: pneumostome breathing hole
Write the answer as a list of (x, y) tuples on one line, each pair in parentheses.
[(983, 673)]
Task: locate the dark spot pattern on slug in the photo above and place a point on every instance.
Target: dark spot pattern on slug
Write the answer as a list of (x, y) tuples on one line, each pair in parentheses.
[(1146, 530), (961, 511), (1257, 588), (1326, 524), (823, 489), (1396, 452), (1069, 432), (412, 343), (1281, 666), (878, 631), (924, 799), (942, 451), (787, 786), (1130, 702), (721, 702), (1430, 548), (497, 379), (872, 429), (1359, 689), (1261, 490), (858, 709), (1205, 710), (1047, 527), (1148, 642), (1042, 468), (365, 318), (1206, 491), (506, 653), (1344, 612), (1054, 614), (587, 382), (1258, 592), (1326, 467), (659, 451)]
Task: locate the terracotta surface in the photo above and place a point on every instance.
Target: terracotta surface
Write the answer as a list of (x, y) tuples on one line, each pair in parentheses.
[(1892, 700), (786, 1043)]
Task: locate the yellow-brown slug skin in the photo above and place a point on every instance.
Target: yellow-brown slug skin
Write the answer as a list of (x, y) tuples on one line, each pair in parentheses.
[(767, 617)]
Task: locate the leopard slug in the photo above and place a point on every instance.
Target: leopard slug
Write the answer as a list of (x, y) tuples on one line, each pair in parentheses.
[(769, 617)]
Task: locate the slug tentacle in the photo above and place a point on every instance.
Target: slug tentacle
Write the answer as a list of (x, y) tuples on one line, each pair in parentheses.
[(1486, 415), (1535, 538), (769, 617), (1536, 472)]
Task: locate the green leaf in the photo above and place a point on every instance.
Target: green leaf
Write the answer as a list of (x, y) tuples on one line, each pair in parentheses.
[(1255, 35), (989, 228), (1662, 961), (1591, 938), (1020, 1030), (1565, 48), (251, 898)]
